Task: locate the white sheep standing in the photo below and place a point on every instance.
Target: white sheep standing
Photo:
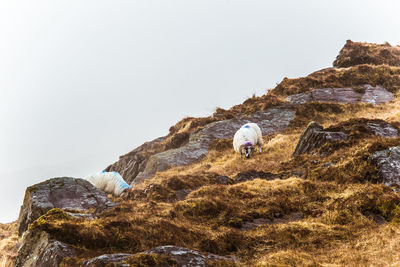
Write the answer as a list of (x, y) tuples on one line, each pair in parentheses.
[(246, 138), (109, 182)]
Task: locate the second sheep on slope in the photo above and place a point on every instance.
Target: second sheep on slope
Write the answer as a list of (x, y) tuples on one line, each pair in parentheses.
[(246, 138)]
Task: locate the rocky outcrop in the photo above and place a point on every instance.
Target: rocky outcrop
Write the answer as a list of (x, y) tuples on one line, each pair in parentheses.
[(382, 128), (355, 53), (314, 137), (113, 259), (169, 256), (270, 121), (39, 250), (369, 94), (388, 165), (63, 193), (188, 257), (129, 165)]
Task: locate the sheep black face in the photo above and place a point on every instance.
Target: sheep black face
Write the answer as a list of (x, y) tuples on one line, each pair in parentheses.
[(247, 151)]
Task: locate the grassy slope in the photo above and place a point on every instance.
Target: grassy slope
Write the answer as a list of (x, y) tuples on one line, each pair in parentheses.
[(342, 206)]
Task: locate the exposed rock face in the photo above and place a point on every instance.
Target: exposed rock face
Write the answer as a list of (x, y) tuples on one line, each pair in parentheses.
[(39, 250), (381, 128), (131, 164), (355, 53), (64, 193), (388, 164), (374, 95), (270, 121), (181, 256), (103, 260), (187, 257), (314, 137)]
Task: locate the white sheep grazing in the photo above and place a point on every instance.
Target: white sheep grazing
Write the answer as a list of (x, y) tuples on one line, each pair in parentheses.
[(109, 182), (246, 138)]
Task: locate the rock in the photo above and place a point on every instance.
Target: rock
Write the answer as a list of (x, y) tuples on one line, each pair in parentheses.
[(251, 175), (39, 250), (388, 164), (374, 95), (382, 128), (113, 259), (129, 165), (187, 257), (270, 121), (182, 257), (314, 137), (355, 53), (63, 193)]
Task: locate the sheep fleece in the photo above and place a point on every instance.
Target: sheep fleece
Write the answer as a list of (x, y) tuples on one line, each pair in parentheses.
[(109, 182), (250, 132)]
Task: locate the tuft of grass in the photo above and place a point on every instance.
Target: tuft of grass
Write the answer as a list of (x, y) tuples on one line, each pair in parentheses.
[(355, 53)]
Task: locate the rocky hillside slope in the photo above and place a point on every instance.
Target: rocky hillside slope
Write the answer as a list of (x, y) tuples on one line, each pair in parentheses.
[(323, 192)]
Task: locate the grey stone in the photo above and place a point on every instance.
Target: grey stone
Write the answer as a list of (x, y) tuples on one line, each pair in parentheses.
[(187, 257), (388, 164), (374, 95), (184, 257), (103, 260), (382, 129), (64, 193), (129, 165), (270, 121), (314, 137), (39, 250)]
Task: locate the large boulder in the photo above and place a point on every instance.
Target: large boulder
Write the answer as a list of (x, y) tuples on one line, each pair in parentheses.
[(314, 137), (131, 164), (388, 165), (355, 53), (38, 249), (64, 193), (369, 94), (270, 121)]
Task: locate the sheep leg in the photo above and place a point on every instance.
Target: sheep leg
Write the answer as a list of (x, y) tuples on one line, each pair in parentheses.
[(259, 149)]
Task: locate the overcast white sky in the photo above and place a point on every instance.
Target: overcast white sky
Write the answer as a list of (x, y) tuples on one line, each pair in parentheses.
[(82, 82)]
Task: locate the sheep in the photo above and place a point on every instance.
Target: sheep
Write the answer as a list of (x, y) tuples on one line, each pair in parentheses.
[(246, 138), (109, 182)]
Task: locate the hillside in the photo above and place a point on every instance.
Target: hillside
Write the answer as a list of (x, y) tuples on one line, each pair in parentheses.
[(320, 194)]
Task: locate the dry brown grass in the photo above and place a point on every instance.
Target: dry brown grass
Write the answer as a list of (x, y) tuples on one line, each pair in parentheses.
[(356, 76), (355, 53), (8, 244)]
